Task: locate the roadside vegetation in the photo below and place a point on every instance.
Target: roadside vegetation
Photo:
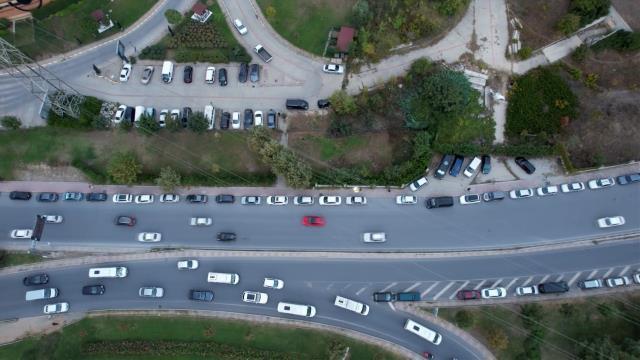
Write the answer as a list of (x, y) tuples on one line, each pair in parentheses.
[(64, 25), (603, 327), (197, 42), (10, 258), (139, 337)]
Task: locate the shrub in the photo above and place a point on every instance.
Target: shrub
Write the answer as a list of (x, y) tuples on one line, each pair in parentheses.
[(89, 114), (148, 125), (580, 53), (197, 122), (591, 80), (621, 40), (589, 10), (569, 24), (343, 103), (169, 179), (10, 122), (124, 168), (524, 52), (497, 338), (173, 16), (464, 319), (451, 7), (154, 52)]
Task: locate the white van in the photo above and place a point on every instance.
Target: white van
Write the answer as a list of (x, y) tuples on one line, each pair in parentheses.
[(223, 278), (41, 294), (167, 71), (108, 272), (423, 331), (351, 305), (210, 115), (473, 166), (139, 111), (296, 309)]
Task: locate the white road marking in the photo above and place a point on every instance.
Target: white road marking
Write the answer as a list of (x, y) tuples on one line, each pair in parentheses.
[(412, 287), (443, 290), (574, 278), (592, 274), (330, 286), (626, 268), (391, 306), (606, 275), (528, 281), (480, 285), (458, 289), (361, 290), (496, 283), (560, 277), (389, 287), (544, 279), (510, 283), (424, 293)]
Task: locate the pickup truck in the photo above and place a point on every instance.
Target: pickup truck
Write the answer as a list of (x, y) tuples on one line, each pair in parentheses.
[(263, 53)]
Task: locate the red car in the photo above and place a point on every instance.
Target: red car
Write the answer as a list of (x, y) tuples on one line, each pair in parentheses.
[(468, 295), (313, 221)]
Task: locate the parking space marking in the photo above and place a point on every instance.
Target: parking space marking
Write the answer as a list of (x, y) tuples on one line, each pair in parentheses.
[(560, 277), (527, 281), (330, 286), (412, 287), (496, 283), (574, 278), (391, 306), (424, 293), (607, 273), (389, 287), (510, 284), (443, 290), (592, 274), (458, 289), (346, 287), (626, 268), (361, 290), (480, 285), (544, 279)]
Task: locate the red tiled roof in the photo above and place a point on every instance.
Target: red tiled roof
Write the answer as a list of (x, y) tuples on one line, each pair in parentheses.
[(199, 8), (345, 38)]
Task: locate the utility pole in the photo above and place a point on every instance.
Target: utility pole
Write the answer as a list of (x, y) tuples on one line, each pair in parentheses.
[(54, 93)]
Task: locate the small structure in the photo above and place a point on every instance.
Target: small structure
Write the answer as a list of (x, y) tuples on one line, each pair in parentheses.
[(345, 38), (200, 12), (104, 22)]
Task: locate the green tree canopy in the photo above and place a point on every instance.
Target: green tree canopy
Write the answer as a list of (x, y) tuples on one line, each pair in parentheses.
[(169, 179), (148, 125), (10, 122), (343, 103), (173, 16), (197, 122), (124, 168)]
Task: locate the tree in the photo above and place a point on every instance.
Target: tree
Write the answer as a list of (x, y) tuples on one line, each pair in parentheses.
[(450, 7), (343, 103), (524, 52), (361, 13), (589, 10), (580, 53), (148, 125), (169, 179), (10, 122), (464, 319), (569, 24), (270, 12), (123, 168), (173, 16), (497, 338), (173, 125), (125, 125), (198, 123)]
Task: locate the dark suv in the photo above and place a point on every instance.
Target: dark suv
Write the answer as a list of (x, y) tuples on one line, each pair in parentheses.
[(553, 287), (201, 295), (125, 220), (444, 166), (457, 165), (188, 74), (525, 165), (226, 236), (271, 119), (297, 104), (93, 290), (386, 296), (97, 196), (248, 118), (20, 195), (225, 199), (226, 118), (438, 202), (38, 279), (197, 199), (222, 77)]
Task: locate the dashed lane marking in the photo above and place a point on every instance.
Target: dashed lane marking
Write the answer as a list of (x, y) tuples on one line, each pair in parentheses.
[(443, 290), (458, 289)]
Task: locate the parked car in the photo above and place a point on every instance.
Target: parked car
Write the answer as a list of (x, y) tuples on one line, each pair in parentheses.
[(356, 200), (271, 119), (125, 72), (20, 195), (520, 193), (257, 118), (297, 104), (201, 295), (498, 292), (527, 290), (186, 115), (93, 290), (147, 73), (385, 296), (438, 202), (468, 295), (254, 73), (222, 77), (58, 308), (329, 200), (607, 222), (175, 115), (124, 220), (48, 197), (97, 196), (525, 165), (547, 190), (486, 164), (248, 118), (21, 234), (271, 283), (444, 166), (303, 200), (188, 74), (493, 196), (151, 292), (469, 199), (240, 27), (277, 200), (317, 221), (617, 281), (457, 165), (169, 198), (149, 237), (224, 120), (119, 116), (553, 287), (226, 236), (242, 73), (162, 119), (628, 179), (188, 264), (235, 121), (572, 187), (73, 196), (53, 219), (406, 199), (601, 183), (333, 69), (472, 167), (323, 103), (590, 284), (197, 198), (210, 75), (225, 199), (374, 237), (416, 185), (144, 199), (250, 200), (35, 280), (255, 297)]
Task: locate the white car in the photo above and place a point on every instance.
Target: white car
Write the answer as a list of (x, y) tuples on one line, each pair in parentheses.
[(151, 291), (376, 237), (255, 297), (272, 283), (21, 234), (175, 115), (572, 187), (122, 198), (498, 292), (601, 183), (149, 237), (469, 199), (58, 308), (520, 193), (188, 264), (53, 219), (162, 119), (329, 200), (416, 185), (257, 118), (144, 199), (618, 281), (201, 221), (356, 200), (636, 278), (547, 190), (303, 200), (406, 199), (125, 73), (250, 200), (240, 27), (235, 120), (277, 200), (527, 290), (210, 75), (611, 221), (120, 114), (169, 198), (333, 69)]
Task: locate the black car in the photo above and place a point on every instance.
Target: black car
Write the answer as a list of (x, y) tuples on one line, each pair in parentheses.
[(323, 103), (384, 296), (197, 199), (486, 164), (248, 118), (242, 74), (97, 196), (186, 114), (129, 114), (297, 104), (125, 220), (38, 279), (224, 122), (48, 197), (188, 74), (20, 195), (444, 166), (226, 236), (222, 77), (438, 202), (93, 290), (525, 165), (457, 165), (225, 199), (201, 295), (271, 119), (628, 179), (553, 287), (254, 73)]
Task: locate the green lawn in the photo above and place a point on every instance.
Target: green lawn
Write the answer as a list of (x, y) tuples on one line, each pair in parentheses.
[(73, 26), (306, 24), (17, 258), (176, 338)]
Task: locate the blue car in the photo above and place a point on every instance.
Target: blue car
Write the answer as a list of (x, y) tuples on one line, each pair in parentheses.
[(457, 165)]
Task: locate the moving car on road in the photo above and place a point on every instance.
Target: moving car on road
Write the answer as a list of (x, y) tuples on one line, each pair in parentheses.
[(151, 292), (21, 234), (240, 27), (188, 264), (406, 199), (423, 331), (201, 221), (34, 280), (201, 295), (58, 308), (93, 290), (351, 305), (149, 237), (53, 219), (273, 283), (374, 237), (255, 297), (317, 221), (607, 222), (226, 236)]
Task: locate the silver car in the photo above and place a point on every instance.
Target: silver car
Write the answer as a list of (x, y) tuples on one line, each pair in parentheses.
[(151, 291), (147, 73), (303, 200)]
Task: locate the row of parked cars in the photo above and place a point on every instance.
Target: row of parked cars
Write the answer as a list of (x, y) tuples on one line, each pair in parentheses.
[(246, 72)]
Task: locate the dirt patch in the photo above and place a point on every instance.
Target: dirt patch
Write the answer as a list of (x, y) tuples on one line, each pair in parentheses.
[(539, 19), (42, 172), (615, 70), (630, 12)]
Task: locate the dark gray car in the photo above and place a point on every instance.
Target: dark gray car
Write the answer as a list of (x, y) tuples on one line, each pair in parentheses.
[(248, 118), (254, 73), (242, 74), (222, 77)]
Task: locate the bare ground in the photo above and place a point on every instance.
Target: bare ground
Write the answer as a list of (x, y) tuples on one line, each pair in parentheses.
[(630, 12), (539, 19)]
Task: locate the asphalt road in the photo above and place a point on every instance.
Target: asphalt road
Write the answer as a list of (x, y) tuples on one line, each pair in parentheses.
[(316, 282), (506, 223)]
